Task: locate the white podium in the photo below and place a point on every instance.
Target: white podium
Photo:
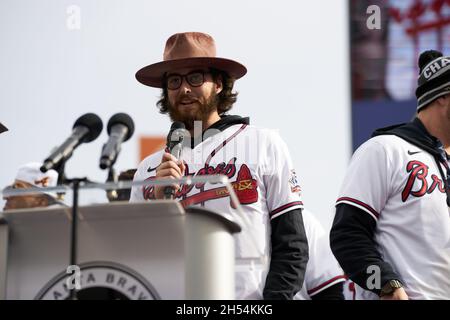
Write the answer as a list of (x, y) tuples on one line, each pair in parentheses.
[(154, 250)]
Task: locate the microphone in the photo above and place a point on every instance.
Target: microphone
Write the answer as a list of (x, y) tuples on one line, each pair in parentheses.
[(175, 144), (86, 129), (120, 129)]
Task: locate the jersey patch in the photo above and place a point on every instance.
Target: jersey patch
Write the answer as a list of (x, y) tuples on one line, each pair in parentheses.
[(293, 182)]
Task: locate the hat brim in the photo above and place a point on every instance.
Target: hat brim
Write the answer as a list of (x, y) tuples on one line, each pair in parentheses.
[(153, 74)]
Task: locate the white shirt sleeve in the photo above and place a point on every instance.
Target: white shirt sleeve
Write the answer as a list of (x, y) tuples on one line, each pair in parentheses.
[(145, 170), (322, 270), (366, 184), (283, 191)]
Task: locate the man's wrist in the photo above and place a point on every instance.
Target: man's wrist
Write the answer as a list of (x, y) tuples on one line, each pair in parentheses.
[(390, 286)]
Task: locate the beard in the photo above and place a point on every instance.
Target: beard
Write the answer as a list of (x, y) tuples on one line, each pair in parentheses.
[(204, 110)]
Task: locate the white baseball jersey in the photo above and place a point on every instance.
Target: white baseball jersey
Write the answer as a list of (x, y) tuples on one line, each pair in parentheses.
[(322, 270), (258, 164), (400, 186)]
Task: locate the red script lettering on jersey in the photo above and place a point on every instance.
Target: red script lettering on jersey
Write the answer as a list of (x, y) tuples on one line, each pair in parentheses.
[(226, 169), (419, 172)]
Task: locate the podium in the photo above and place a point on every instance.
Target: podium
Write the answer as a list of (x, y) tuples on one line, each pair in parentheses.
[(153, 250)]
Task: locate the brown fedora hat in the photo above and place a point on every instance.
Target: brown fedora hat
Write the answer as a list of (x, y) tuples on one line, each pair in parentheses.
[(188, 49)]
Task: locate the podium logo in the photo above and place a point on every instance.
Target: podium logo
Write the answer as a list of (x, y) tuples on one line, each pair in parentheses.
[(98, 281)]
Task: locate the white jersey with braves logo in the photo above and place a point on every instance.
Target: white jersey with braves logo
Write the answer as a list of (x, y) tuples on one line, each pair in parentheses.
[(322, 270), (400, 186), (258, 164)]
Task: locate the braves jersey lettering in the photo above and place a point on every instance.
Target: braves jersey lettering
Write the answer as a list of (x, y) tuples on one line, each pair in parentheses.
[(244, 186), (259, 167), (419, 172), (228, 170)]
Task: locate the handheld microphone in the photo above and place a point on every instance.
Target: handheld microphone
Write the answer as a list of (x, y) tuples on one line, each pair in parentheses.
[(86, 129), (175, 145), (120, 129)]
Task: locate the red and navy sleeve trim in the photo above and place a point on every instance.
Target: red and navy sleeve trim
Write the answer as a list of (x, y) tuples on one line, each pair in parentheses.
[(359, 204), (326, 285), (285, 208)]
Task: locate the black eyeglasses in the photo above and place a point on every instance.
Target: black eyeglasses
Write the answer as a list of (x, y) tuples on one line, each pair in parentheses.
[(194, 78)]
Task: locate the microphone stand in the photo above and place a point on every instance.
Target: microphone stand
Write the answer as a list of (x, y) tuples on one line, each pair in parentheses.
[(61, 178), (75, 182), (74, 228), (112, 195)]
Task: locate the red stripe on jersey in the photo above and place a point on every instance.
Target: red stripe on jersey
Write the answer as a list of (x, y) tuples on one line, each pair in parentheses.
[(204, 196), (284, 207), (316, 289), (360, 203), (213, 153)]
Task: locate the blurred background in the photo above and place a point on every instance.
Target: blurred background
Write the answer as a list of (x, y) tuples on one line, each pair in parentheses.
[(316, 72), (384, 66)]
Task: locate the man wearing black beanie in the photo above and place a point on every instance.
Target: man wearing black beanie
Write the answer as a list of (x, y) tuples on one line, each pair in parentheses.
[(391, 231)]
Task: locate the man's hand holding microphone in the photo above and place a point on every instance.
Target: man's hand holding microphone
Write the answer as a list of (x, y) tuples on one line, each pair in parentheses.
[(171, 167)]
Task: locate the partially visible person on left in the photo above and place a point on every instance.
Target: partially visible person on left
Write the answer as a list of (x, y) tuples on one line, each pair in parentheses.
[(30, 176)]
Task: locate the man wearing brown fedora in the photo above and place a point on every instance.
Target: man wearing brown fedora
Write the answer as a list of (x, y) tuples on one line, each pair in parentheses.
[(197, 90)]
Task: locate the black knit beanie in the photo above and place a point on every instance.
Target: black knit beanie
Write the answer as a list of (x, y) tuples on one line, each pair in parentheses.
[(434, 78)]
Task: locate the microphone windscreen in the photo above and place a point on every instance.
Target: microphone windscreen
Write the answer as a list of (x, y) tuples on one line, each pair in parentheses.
[(122, 118), (93, 123)]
